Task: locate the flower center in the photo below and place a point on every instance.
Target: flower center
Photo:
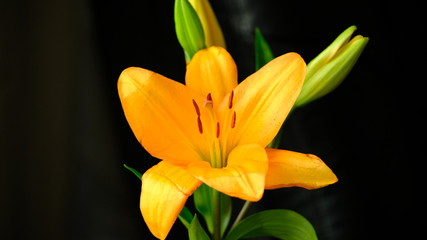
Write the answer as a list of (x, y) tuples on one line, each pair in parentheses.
[(214, 130)]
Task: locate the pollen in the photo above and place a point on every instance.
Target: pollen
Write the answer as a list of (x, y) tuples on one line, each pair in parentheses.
[(230, 100), (199, 124), (233, 120), (196, 107)]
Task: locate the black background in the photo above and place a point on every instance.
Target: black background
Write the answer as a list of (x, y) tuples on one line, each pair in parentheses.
[(64, 138)]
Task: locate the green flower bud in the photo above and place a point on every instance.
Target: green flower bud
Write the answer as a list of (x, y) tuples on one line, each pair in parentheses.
[(188, 28), (329, 68), (213, 32)]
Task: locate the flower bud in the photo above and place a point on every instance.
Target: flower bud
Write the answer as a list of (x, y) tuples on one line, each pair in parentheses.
[(330, 67), (211, 28), (188, 28)]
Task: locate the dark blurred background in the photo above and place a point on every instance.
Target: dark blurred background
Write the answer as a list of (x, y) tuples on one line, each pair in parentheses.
[(64, 138)]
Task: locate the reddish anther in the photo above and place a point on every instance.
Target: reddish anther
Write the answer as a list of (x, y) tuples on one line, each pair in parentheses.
[(233, 120), (199, 124), (230, 100), (209, 97), (196, 107)]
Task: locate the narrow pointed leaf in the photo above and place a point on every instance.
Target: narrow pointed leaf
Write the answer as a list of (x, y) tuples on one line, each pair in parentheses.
[(196, 231), (280, 223), (203, 203), (263, 53), (138, 174), (186, 217)]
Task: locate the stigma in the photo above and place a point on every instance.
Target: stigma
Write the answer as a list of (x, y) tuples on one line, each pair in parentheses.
[(208, 100)]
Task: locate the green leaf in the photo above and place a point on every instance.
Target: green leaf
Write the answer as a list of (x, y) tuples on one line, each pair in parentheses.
[(203, 201), (280, 223), (263, 53), (138, 174), (196, 231), (186, 217)]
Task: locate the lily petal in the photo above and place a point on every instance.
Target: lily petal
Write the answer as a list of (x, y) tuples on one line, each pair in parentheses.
[(162, 115), (262, 101), (212, 70), (243, 177), (165, 189), (294, 169)]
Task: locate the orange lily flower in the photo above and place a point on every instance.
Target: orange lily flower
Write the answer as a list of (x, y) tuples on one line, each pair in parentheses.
[(215, 131)]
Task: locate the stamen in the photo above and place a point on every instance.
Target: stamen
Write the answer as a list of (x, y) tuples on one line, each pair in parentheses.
[(208, 100), (197, 108), (199, 124), (230, 100), (233, 120), (217, 130)]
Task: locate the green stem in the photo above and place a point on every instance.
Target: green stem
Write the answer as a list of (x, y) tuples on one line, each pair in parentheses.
[(242, 213), (217, 214)]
